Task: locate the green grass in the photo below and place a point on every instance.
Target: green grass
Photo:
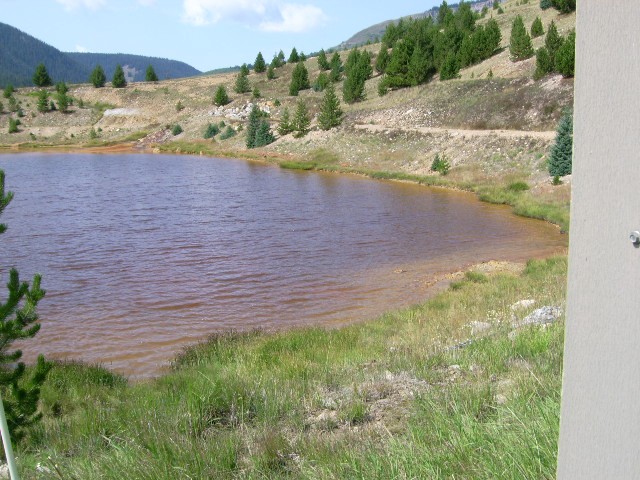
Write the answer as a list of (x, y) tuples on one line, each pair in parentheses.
[(383, 399)]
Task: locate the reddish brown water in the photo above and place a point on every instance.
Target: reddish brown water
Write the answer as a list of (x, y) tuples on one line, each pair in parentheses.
[(142, 255)]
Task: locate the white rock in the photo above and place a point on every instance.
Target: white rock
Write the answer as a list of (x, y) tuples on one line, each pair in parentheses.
[(526, 303)]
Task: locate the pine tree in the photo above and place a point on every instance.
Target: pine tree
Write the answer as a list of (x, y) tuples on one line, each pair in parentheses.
[(520, 46), (493, 36), (294, 57), (543, 63), (98, 77), (357, 70), (252, 126), (280, 58), (244, 69), (450, 68), (537, 29), (43, 101), (336, 67), (242, 83), (322, 82), (398, 68), (61, 87), (263, 134), (421, 67), (8, 91), (41, 78), (63, 102), (562, 151), (259, 65), (564, 6), (119, 80), (19, 320), (13, 125), (221, 98), (566, 56), (382, 60), (299, 79), (445, 14), (150, 75), (330, 112), (323, 62), (271, 72), (552, 42), (301, 121), (284, 126)]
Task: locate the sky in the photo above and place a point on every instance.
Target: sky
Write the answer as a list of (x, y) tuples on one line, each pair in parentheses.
[(206, 34)]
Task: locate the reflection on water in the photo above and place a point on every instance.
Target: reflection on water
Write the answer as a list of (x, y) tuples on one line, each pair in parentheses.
[(143, 254)]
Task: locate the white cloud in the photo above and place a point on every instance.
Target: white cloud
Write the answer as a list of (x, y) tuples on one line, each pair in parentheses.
[(81, 49), (266, 15), (72, 4)]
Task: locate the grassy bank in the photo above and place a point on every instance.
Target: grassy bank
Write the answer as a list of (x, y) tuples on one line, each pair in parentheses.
[(384, 399)]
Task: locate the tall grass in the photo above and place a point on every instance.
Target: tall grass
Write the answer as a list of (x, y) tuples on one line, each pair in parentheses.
[(389, 398)]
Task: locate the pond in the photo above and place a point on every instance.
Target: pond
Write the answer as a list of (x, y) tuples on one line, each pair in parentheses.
[(144, 254)]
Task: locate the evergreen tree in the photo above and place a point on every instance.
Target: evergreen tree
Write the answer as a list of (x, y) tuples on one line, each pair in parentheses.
[(294, 57), (299, 79), (464, 17), (493, 36), (221, 97), (537, 30), (445, 14), (244, 69), (552, 42), (284, 126), (43, 101), (263, 134), (543, 63), (382, 59), (330, 112), (564, 6), (98, 77), (242, 82), (336, 67), (520, 46), (301, 121), (63, 102), (61, 87), (303, 57), (562, 151), (119, 80), (323, 62), (545, 4), (1, 107), (19, 320), (357, 70), (150, 75), (280, 58), (13, 128), (259, 66), (41, 78), (421, 67), (450, 68), (13, 104), (566, 56), (252, 126), (322, 82), (271, 72), (397, 72), (8, 91)]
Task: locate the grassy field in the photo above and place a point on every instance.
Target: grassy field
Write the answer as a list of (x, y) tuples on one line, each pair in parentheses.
[(416, 393)]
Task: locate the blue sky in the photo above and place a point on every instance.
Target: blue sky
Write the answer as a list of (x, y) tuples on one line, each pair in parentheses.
[(207, 34)]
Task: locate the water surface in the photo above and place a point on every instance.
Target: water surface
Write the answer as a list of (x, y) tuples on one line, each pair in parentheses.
[(143, 254)]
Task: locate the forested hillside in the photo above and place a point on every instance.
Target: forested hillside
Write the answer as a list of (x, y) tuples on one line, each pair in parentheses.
[(20, 53), (165, 69)]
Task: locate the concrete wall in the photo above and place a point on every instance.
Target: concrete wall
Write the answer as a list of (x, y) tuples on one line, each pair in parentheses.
[(600, 417)]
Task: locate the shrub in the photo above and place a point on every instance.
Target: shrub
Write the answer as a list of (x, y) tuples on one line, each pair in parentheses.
[(177, 129), (221, 98), (13, 125), (179, 106), (211, 131), (440, 164), (227, 133)]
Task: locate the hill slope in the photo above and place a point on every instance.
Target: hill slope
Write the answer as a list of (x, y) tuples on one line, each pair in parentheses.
[(137, 64), (20, 53)]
